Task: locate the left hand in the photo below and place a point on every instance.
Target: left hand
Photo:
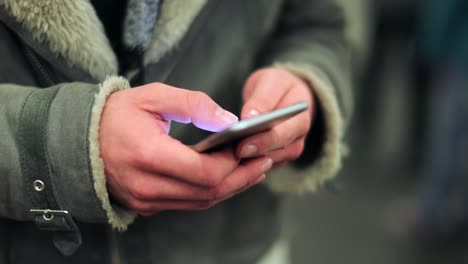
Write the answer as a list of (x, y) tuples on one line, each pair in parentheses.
[(266, 90)]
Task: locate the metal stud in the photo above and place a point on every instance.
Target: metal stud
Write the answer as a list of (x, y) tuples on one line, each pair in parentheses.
[(38, 185)]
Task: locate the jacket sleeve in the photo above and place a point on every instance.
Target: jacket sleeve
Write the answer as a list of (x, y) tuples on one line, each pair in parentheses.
[(310, 42), (53, 133)]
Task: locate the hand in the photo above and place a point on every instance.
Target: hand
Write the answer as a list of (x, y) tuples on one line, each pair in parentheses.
[(264, 91), (149, 171)]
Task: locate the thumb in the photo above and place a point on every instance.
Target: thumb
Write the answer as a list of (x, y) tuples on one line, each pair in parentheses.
[(186, 106)]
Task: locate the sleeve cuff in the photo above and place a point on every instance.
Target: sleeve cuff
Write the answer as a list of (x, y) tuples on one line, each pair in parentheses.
[(118, 217), (329, 162)]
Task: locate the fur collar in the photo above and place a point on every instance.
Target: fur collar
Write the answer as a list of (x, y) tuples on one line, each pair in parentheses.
[(71, 29)]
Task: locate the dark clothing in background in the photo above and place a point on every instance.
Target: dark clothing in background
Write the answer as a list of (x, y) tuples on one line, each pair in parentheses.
[(111, 13), (442, 55), (443, 35)]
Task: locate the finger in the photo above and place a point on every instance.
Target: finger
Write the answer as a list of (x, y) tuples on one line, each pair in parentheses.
[(263, 91), (239, 181), (245, 176), (147, 208), (259, 179), (150, 187), (250, 84), (278, 137), (279, 165), (155, 187), (164, 155), (292, 152), (150, 208), (184, 106)]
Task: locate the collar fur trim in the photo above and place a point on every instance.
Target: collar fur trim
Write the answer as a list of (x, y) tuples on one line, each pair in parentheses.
[(72, 30), (174, 21)]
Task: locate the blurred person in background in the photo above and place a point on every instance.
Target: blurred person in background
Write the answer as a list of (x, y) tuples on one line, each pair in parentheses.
[(83, 156), (442, 57)]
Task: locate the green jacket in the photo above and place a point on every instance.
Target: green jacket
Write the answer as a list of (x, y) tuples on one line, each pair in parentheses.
[(56, 70)]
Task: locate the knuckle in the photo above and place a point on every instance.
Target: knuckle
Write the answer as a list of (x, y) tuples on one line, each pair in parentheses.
[(141, 155), (295, 151), (281, 76), (289, 137), (140, 191), (140, 194), (198, 99), (201, 96), (277, 140), (262, 104), (204, 205), (270, 72), (211, 178), (138, 205), (136, 193), (150, 87), (215, 194), (160, 84), (146, 213)]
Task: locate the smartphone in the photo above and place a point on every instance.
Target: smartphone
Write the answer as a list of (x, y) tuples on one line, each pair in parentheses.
[(248, 127)]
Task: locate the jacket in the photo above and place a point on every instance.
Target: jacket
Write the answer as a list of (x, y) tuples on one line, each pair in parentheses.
[(57, 69)]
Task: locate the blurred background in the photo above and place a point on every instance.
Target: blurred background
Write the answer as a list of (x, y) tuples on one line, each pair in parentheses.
[(402, 196)]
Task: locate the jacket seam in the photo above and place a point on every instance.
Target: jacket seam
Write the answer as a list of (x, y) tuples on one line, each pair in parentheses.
[(21, 137)]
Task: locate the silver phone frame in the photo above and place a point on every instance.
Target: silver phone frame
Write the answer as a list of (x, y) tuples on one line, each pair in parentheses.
[(249, 127)]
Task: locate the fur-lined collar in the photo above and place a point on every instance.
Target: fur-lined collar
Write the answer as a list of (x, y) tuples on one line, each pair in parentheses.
[(72, 30)]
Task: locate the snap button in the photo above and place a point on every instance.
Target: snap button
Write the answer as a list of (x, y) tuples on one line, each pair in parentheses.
[(38, 185), (47, 215)]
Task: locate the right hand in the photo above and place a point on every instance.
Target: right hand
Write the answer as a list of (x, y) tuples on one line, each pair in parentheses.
[(148, 171)]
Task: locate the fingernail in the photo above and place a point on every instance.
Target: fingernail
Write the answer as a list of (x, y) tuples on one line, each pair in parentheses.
[(248, 151), (252, 113), (267, 165), (260, 179), (226, 117)]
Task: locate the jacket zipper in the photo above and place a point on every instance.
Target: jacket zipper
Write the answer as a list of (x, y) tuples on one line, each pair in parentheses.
[(43, 72)]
